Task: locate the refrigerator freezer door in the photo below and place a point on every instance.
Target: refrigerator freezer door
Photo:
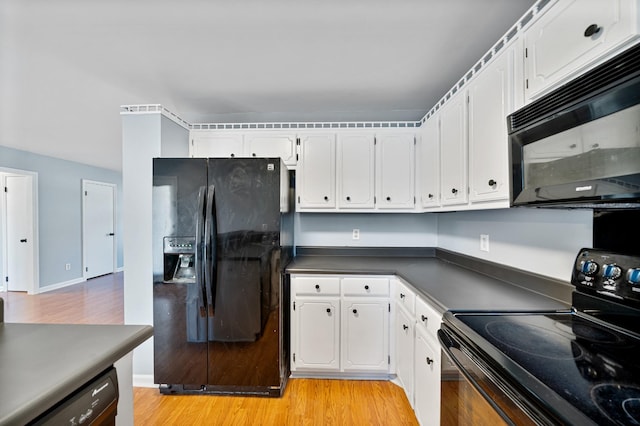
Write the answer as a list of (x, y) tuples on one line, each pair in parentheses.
[(180, 347)]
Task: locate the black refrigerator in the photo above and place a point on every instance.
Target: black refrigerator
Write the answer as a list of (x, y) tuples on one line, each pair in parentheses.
[(222, 235)]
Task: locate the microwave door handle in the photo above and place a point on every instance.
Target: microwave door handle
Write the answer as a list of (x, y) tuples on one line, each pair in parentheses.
[(210, 268)]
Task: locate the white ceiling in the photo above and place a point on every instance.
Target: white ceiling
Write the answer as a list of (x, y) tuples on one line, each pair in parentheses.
[(67, 65)]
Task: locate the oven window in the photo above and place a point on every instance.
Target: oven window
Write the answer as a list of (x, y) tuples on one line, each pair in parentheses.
[(604, 149), (462, 404)]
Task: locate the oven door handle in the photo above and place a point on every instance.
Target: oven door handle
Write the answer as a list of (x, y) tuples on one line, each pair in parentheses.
[(449, 342)]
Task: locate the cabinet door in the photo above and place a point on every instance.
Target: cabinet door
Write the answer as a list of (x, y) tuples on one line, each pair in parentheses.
[(490, 100), (453, 151), (561, 43), (271, 145), (395, 173), (355, 163), (404, 351), (404, 297), (365, 335), (316, 176), (429, 163), (428, 318), (427, 380), (220, 145), (315, 338)]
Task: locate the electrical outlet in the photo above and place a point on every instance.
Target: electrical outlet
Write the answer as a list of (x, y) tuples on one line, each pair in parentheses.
[(356, 234), (484, 242), (67, 267)]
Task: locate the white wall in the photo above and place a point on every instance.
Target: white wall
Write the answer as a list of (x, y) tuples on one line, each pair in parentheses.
[(140, 143), (543, 241), (376, 230), (144, 136)]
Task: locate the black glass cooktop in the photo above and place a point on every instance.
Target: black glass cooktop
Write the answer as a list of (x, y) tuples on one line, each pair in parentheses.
[(592, 367)]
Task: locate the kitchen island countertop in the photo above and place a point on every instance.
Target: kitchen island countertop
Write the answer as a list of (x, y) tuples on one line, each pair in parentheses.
[(42, 363), (446, 285)]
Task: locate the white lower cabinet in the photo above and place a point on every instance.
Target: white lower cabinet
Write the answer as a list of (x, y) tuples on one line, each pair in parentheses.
[(365, 335), (340, 325), (316, 335), (427, 378), (404, 299), (427, 357), (405, 325)]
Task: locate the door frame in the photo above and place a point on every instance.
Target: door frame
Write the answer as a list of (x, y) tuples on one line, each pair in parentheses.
[(34, 287), (114, 187)]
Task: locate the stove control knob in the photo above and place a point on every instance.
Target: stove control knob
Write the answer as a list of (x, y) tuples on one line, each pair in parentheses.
[(589, 267), (612, 271), (633, 276)]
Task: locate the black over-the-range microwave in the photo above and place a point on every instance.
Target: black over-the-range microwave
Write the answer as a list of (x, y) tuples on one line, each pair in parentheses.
[(579, 145)]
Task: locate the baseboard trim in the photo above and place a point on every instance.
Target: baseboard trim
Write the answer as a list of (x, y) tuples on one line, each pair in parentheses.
[(120, 269), (59, 285), (341, 375), (143, 381)]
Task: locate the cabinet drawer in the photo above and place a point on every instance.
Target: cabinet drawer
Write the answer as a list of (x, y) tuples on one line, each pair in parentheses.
[(316, 285), (405, 297), (428, 317), (363, 286)]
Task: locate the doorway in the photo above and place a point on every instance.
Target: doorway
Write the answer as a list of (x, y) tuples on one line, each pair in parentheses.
[(19, 231), (98, 225)]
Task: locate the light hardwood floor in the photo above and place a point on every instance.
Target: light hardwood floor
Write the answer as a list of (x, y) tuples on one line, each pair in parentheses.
[(305, 402)]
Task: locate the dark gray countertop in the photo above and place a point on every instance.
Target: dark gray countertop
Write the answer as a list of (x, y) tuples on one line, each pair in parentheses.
[(445, 284), (42, 363)]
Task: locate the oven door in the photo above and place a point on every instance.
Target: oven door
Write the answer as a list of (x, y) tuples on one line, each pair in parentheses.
[(472, 393)]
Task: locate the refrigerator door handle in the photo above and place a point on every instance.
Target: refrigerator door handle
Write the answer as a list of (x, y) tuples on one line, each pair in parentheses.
[(210, 274), (199, 251)]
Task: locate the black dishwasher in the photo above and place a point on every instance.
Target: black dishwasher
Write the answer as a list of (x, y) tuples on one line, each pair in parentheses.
[(95, 403)]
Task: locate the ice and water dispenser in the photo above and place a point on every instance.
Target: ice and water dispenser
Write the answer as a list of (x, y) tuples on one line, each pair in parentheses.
[(179, 259)]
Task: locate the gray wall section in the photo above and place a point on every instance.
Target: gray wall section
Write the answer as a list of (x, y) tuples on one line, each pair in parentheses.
[(175, 139), (376, 230), (544, 241), (60, 210)]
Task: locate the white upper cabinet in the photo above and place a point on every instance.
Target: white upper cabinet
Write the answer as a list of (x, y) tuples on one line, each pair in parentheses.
[(429, 163), (220, 145), (267, 145), (356, 170), (490, 101), (211, 143), (571, 36), (316, 176), (395, 172), (453, 150), (356, 166)]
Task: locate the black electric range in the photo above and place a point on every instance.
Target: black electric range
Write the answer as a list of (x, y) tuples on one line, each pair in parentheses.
[(580, 366)]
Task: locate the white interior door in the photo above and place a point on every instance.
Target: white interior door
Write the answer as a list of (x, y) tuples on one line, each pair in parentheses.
[(98, 228), (20, 242)]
